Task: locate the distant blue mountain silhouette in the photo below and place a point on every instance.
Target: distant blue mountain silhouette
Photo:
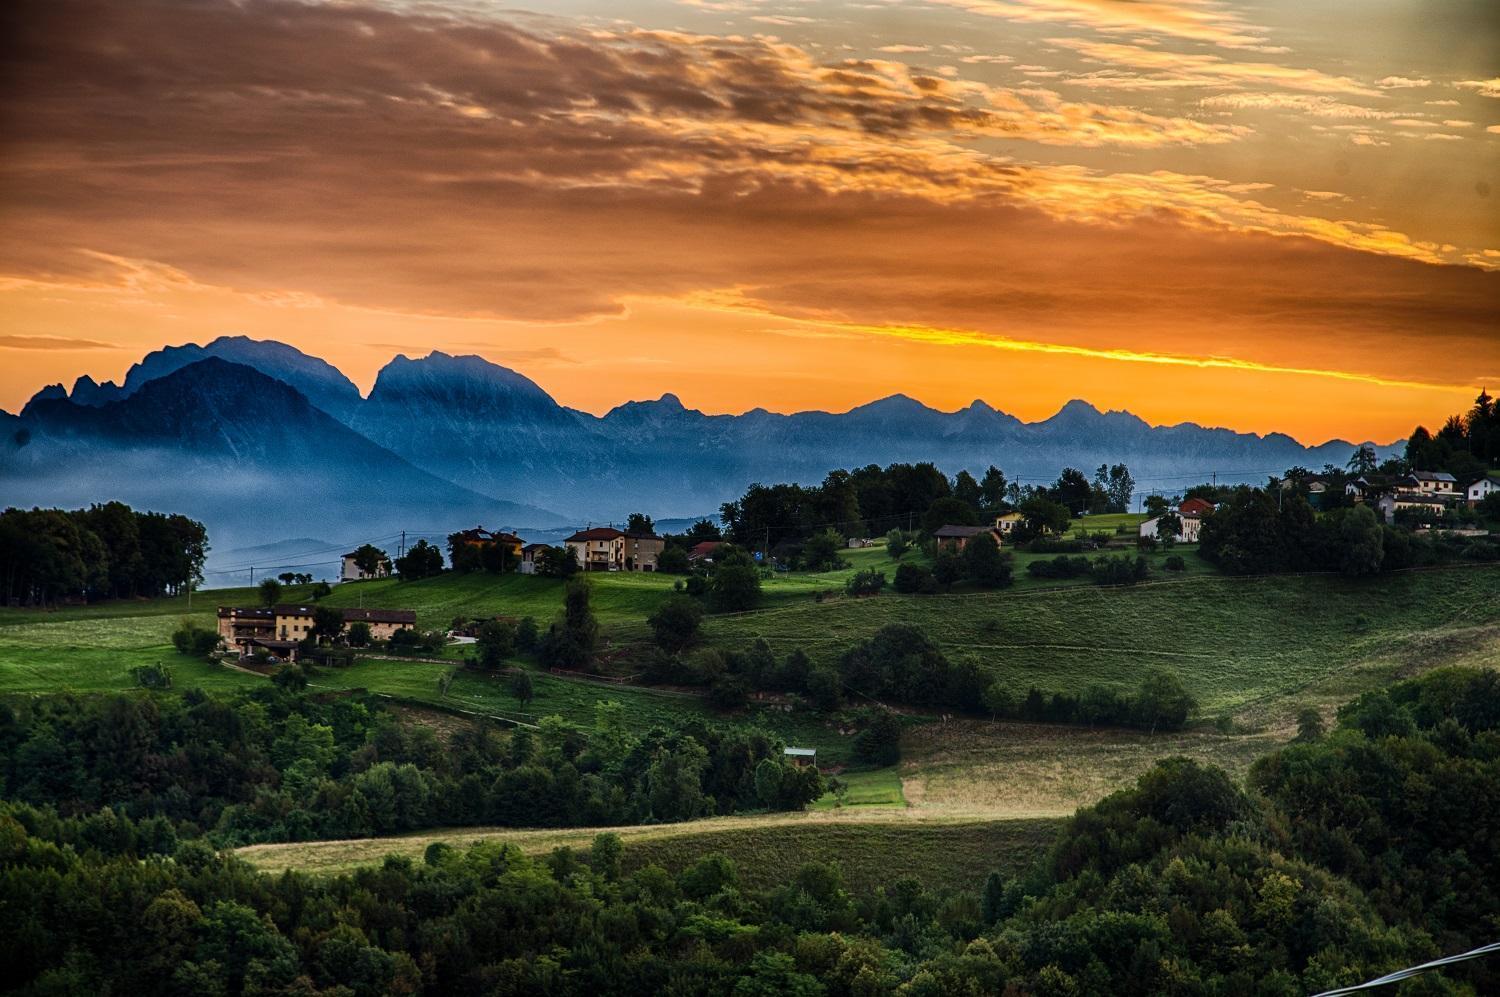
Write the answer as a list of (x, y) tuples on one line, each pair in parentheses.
[(240, 425)]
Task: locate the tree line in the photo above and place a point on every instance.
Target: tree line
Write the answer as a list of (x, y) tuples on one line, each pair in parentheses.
[(1355, 852), (873, 500), (107, 551), (278, 765)]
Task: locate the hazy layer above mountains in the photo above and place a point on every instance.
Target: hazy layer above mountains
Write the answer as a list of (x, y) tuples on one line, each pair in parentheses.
[(265, 442)]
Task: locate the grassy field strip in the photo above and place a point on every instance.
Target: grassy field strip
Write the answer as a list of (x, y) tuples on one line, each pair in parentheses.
[(941, 851)]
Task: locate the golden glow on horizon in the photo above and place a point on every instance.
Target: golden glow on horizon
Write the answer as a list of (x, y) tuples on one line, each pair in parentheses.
[(1195, 210)]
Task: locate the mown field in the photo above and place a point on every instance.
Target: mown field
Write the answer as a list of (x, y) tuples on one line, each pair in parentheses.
[(1242, 645), (872, 850)]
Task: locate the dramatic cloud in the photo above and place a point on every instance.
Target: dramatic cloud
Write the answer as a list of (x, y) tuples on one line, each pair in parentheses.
[(300, 160), (1485, 88), (1205, 21), (1163, 67)]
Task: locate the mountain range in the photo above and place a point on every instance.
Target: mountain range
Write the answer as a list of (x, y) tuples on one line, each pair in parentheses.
[(264, 442)]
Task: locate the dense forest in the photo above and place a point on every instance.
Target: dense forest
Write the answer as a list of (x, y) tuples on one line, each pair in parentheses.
[(1350, 854), (107, 551), (278, 765)]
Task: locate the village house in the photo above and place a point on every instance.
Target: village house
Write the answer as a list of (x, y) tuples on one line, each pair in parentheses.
[(530, 555), (704, 551), (1437, 483), (956, 538), (1477, 491), (1196, 507), (278, 629), (351, 572), (642, 549), (1007, 522), (1393, 501), (480, 538), (1191, 527), (599, 548)]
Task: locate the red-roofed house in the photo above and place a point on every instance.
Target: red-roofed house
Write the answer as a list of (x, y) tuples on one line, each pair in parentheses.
[(598, 548), (1195, 507), (705, 551)]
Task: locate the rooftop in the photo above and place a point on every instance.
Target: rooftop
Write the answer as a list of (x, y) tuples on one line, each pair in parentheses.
[(596, 533)]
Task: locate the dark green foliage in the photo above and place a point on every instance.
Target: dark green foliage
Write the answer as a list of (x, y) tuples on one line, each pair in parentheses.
[(518, 683), (1122, 569), (495, 642), (359, 634), (822, 551), (105, 551), (422, 560), (1353, 857), (1060, 566), (676, 623), (270, 592), (572, 641), (1175, 563), (879, 740), (984, 564), (866, 582), (734, 585), (194, 641), (948, 511), (527, 635), (157, 676), (914, 579)]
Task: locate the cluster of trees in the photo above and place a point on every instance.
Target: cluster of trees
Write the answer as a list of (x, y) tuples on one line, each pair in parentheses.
[(1160, 703), (872, 500), (104, 551), (1466, 446), (1359, 852), (1121, 569), (276, 765), (981, 563), (1249, 534)]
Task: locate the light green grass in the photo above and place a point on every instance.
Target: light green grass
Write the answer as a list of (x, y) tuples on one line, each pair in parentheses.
[(96, 655), (871, 788)]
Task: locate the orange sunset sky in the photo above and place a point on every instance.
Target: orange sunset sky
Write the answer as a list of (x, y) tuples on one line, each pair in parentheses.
[(1269, 216)]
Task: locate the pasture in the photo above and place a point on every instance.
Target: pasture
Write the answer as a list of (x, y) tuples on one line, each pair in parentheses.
[(872, 849)]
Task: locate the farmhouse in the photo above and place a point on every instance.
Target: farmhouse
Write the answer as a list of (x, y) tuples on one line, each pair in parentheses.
[(480, 539), (704, 552), (1438, 483), (956, 538), (530, 554), (1477, 491), (599, 548), (642, 548), (1191, 526), (351, 572), (278, 629), (1194, 507), (1391, 502), (1007, 522)]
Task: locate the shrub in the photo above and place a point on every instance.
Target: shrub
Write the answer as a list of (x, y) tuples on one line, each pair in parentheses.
[(676, 623), (194, 641), (879, 743), (729, 692), (1176, 563), (1121, 570), (157, 676), (1061, 566), (866, 582), (497, 641), (913, 578)]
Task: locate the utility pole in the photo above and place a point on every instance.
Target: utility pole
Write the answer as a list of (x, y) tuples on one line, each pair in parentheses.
[(252, 575), (401, 550)]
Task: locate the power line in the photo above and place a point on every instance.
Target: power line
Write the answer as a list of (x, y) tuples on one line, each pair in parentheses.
[(1410, 971)]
